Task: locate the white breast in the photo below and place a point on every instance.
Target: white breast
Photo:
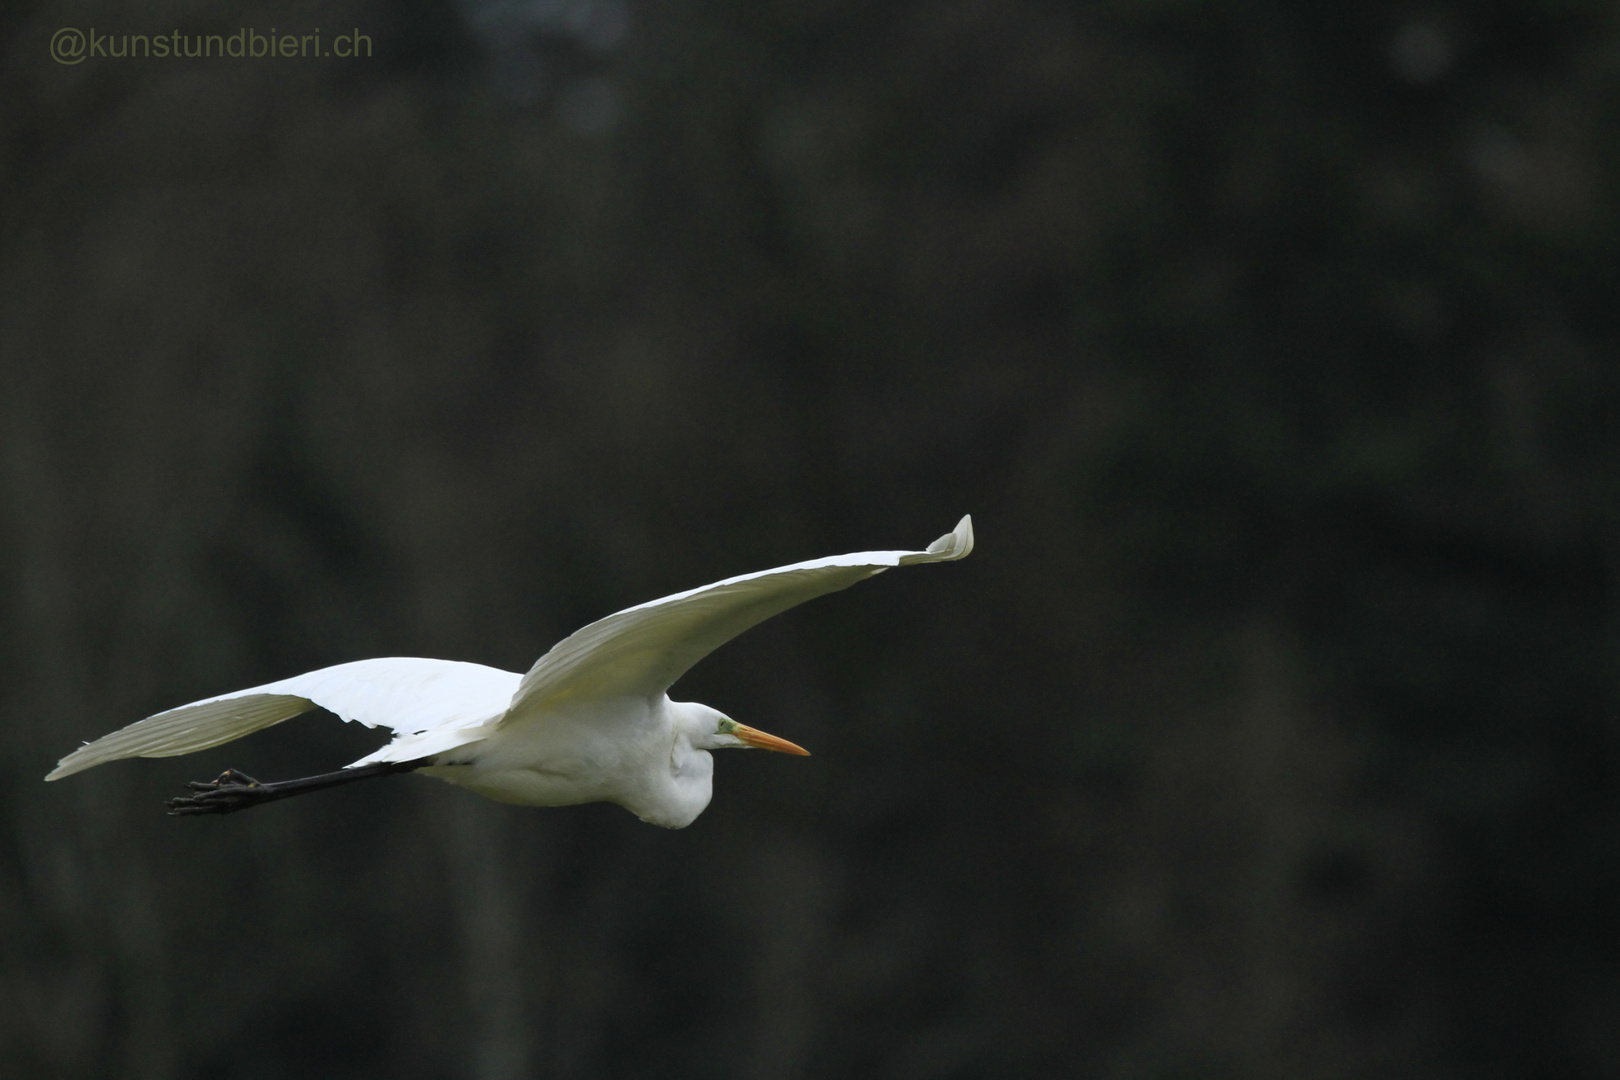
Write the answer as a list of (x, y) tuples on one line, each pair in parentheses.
[(627, 751)]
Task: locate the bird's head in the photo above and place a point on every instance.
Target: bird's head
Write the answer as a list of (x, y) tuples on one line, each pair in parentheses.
[(711, 729)]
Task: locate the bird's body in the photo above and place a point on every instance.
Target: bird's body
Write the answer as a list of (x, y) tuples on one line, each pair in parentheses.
[(590, 722), (631, 751)]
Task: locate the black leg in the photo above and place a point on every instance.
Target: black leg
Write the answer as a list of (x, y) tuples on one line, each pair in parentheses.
[(232, 791)]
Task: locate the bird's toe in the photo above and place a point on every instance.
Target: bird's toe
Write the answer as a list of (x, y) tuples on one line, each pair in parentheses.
[(230, 790)]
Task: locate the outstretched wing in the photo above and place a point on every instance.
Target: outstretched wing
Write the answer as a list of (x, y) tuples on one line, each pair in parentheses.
[(428, 702), (642, 650)]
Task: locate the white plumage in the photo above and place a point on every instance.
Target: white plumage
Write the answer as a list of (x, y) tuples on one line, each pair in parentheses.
[(591, 721)]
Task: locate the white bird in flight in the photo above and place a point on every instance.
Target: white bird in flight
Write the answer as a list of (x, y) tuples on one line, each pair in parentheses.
[(590, 722)]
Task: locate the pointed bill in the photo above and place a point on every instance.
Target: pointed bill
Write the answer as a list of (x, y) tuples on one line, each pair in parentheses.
[(759, 740)]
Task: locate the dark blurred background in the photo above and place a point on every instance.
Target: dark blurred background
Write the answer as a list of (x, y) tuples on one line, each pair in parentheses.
[(1271, 731)]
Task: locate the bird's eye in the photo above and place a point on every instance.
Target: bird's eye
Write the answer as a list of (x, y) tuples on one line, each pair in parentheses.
[(727, 726)]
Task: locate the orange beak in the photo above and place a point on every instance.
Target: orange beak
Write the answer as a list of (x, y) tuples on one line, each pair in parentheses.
[(761, 741)]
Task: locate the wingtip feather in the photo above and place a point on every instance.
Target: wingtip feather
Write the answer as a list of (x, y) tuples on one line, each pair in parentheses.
[(963, 534), (185, 730), (956, 544), (72, 763)]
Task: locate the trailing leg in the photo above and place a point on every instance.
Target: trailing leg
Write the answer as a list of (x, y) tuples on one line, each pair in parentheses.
[(232, 790)]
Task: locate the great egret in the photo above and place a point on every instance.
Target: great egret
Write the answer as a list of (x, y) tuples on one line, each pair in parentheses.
[(590, 722)]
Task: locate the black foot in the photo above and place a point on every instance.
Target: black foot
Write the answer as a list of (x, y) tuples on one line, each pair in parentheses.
[(227, 793)]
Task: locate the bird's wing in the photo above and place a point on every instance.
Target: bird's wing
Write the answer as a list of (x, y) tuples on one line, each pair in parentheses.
[(424, 701), (642, 650)]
